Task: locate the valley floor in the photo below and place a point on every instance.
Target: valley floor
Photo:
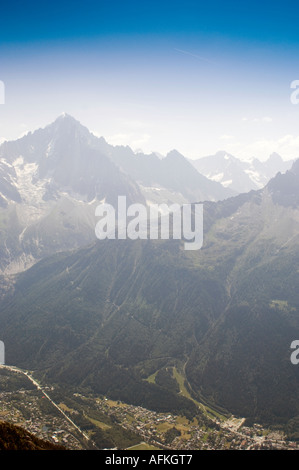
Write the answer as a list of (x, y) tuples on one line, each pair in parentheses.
[(83, 421)]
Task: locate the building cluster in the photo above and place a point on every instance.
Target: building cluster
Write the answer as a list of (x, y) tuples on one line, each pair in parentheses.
[(23, 408), (31, 410)]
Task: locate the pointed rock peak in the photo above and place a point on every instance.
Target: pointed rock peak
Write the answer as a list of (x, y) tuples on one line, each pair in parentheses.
[(285, 186), (64, 117), (67, 124), (175, 155), (274, 157)]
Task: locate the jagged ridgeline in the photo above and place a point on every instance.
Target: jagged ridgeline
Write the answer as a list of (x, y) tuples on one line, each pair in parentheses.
[(51, 181), (112, 316)]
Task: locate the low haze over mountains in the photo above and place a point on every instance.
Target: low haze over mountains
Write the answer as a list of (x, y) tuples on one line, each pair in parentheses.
[(108, 314), (52, 179)]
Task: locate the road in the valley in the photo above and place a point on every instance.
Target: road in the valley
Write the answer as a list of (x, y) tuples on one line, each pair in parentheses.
[(38, 386)]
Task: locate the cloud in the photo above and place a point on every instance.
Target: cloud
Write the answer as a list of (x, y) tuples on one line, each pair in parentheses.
[(287, 146), (265, 119)]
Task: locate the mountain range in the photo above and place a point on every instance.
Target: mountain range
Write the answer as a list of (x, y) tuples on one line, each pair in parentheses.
[(240, 176), (52, 179), (105, 315)]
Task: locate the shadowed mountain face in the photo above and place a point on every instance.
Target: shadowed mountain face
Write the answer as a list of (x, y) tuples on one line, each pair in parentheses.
[(110, 315), (285, 188)]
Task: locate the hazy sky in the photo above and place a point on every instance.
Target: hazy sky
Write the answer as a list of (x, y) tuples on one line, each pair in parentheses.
[(156, 75)]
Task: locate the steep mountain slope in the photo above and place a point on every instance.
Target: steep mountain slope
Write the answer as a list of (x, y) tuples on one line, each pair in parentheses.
[(16, 438), (244, 362), (8, 191), (100, 317), (109, 315)]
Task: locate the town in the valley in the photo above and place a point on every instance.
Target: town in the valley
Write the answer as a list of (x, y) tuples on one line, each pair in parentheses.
[(84, 421)]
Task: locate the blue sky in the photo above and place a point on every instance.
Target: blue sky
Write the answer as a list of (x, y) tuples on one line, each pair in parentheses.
[(193, 75)]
